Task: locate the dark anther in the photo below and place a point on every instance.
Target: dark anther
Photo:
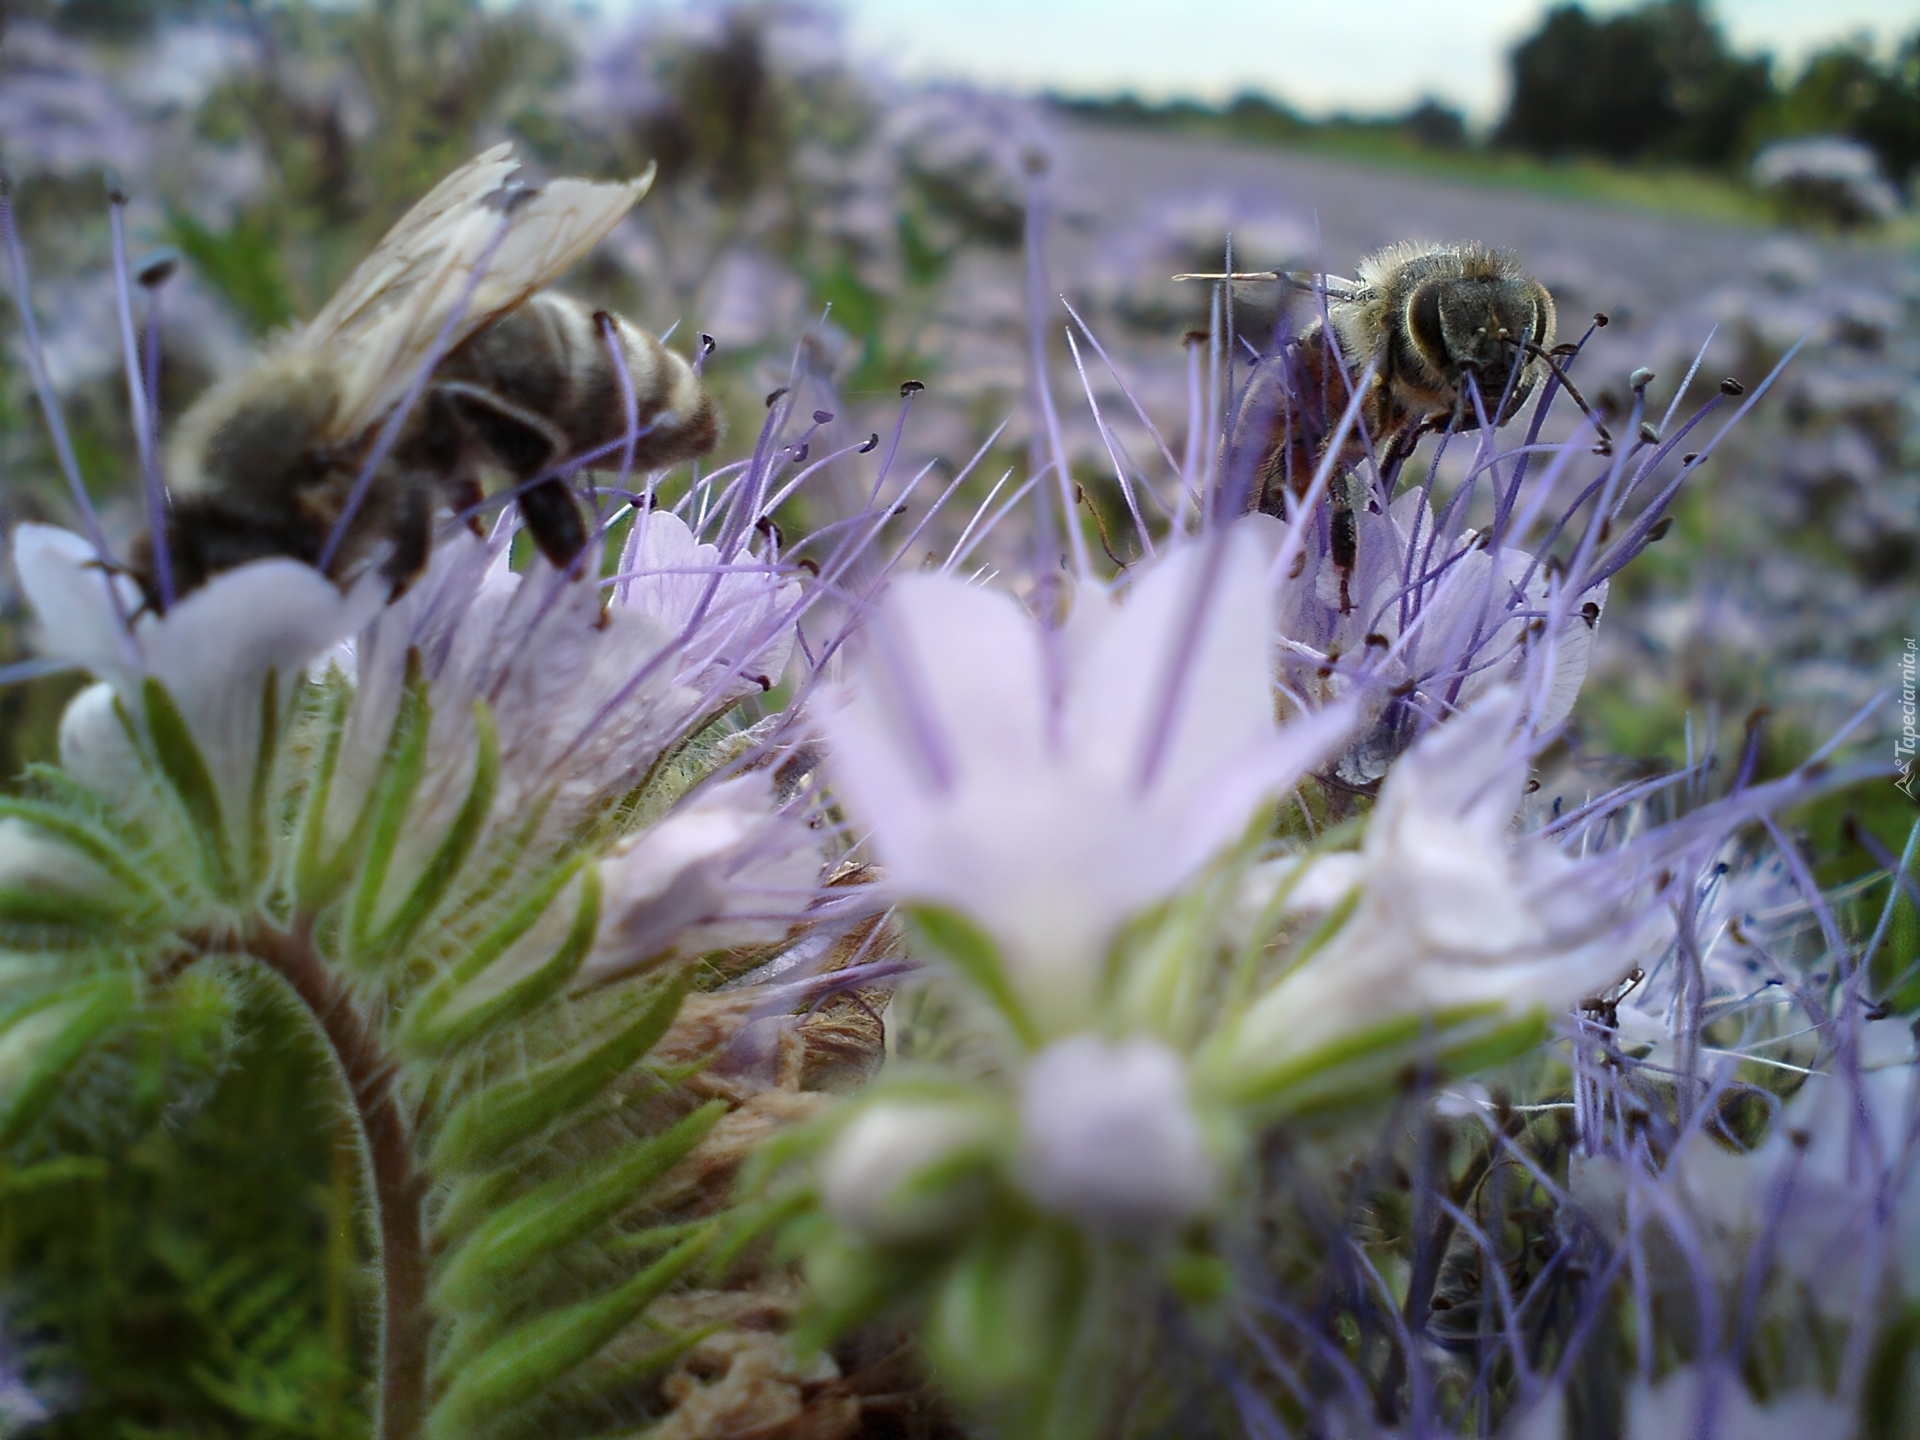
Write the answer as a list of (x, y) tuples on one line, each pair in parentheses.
[(708, 344), (910, 387), (800, 453), (775, 396), (1731, 386), (811, 567), (158, 268), (603, 321), (1689, 457), (1590, 613), (116, 187), (1564, 349), (1532, 785), (1403, 689), (821, 417), (1196, 337), (1600, 318), (1376, 638), (762, 681), (1660, 528), (766, 526), (872, 441)]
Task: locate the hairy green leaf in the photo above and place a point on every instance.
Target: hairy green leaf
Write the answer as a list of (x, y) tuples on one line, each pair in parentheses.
[(470, 1000), (563, 1210), (526, 1361), (489, 1121)]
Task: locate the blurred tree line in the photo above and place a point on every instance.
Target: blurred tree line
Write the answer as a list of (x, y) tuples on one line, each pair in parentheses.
[(1661, 82)]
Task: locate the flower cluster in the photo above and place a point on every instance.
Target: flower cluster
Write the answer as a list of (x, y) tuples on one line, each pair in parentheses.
[(725, 961)]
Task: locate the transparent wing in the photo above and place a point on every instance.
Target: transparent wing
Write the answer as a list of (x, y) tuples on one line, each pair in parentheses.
[(379, 328)]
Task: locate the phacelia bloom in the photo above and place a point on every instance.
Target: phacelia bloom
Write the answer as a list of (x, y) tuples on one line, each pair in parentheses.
[(1048, 784), (1452, 908)]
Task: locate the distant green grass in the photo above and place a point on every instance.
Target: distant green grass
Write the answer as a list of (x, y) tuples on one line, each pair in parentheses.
[(1662, 189)]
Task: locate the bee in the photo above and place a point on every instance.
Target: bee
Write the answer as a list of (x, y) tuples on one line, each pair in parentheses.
[(1424, 318), (265, 464)]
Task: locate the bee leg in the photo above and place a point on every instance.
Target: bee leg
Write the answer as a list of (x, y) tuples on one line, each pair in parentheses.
[(553, 519), (412, 533), (1343, 537), (466, 497), (1343, 540)]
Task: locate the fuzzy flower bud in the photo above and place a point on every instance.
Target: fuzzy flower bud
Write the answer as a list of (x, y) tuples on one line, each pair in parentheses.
[(882, 1150), (1108, 1136)]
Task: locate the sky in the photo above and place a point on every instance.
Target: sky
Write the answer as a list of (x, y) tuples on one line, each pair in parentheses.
[(1367, 56)]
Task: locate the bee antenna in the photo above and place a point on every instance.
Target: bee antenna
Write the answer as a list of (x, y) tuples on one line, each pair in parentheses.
[(1568, 385)]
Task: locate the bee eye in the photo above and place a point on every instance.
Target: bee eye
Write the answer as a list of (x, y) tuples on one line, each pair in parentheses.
[(1423, 325)]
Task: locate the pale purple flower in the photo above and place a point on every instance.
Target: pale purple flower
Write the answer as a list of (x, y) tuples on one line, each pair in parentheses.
[(723, 870), (215, 652), (1009, 771), (1441, 620), (1451, 906), (584, 691)]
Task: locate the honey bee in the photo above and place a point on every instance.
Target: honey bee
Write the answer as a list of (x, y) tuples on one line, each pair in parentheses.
[(265, 464), (1424, 318)]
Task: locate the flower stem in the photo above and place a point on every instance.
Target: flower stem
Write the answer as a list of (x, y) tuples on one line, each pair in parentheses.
[(398, 1187)]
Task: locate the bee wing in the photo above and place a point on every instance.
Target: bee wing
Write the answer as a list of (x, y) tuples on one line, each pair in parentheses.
[(379, 328)]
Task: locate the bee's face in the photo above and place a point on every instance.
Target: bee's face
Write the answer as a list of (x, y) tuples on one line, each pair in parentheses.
[(1489, 325)]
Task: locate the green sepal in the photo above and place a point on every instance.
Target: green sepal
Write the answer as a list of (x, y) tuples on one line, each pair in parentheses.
[(317, 882), (446, 1016), (458, 843), (42, 1039), (60, 1170), (401, 767), (259, 841), (561, 1211), (975, 955), (186, 771), (1368, 1065), (488, 1122), (89, 841), (745, 1225), (850, 1282), (528, 1360), (47, 919), (1006, 1313)]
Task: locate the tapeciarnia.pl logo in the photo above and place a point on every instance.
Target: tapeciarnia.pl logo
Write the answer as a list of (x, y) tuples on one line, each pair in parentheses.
[(1903, 748)]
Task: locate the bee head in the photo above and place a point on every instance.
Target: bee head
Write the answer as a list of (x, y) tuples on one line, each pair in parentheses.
[(1488, 322)]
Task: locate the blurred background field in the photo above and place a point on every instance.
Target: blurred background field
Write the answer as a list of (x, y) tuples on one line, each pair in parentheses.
[(187, 1265)]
